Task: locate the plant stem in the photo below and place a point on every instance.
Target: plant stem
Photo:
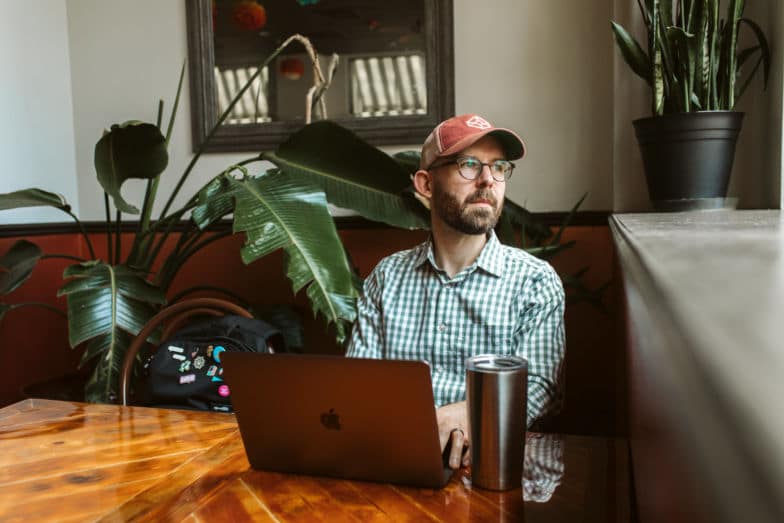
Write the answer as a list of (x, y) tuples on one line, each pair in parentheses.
[(170, 127), (118, 238), (166, 279), (159, 117), (62, 256), (38, 304), (645, 16), (84, 233), (171, 260), (205, 242), (108, 227), (223, 117)]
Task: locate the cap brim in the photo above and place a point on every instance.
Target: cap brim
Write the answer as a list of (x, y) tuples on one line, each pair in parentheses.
[(512, 144)]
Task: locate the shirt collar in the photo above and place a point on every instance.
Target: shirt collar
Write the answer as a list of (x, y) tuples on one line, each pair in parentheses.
[(490, 259)]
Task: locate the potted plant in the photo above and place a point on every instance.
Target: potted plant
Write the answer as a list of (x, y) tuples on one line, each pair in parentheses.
[(112, 294), (693, 67)]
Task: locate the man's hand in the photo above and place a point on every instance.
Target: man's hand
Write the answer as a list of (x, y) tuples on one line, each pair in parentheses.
[(453, 426)]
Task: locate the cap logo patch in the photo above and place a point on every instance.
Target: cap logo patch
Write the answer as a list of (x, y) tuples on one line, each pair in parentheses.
[(478, 122)]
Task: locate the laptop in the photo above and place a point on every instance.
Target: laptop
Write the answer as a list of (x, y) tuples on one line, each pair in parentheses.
[(347, 418)]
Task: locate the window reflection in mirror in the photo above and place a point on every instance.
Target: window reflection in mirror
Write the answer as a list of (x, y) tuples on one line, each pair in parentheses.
[(382, 59)]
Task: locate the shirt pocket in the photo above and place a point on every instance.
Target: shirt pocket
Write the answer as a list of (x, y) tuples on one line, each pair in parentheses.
[(478, 339)]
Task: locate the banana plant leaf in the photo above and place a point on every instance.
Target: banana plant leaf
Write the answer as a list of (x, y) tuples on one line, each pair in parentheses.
[(131, 150), (555, 240), (547, 252), (214, 201), (409, 160), (352, 173), (279, 212), (17, 265), (104, 383), (32, 198), (106, 306), (521, 217)]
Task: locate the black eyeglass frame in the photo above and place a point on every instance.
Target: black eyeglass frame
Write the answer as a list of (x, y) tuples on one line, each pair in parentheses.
[(479, 172)]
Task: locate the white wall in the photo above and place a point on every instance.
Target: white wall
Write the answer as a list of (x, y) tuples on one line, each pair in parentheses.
[(545, 70), (631, 100), (125, 56), (36, 135)]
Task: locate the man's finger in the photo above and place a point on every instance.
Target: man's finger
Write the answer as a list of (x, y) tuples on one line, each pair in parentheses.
[(456, 452), (467, 457)]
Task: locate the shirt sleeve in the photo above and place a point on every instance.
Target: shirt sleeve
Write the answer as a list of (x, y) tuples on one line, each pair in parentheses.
[(540, 340), (366, 336)]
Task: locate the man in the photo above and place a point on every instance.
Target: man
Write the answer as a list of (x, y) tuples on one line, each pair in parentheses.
[(462, 292)]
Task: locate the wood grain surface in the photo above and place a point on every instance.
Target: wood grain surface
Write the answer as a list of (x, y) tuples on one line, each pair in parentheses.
[(62, 461)]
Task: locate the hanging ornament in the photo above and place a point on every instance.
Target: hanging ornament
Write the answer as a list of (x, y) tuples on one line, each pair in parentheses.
[(249, 15), (292, 68)]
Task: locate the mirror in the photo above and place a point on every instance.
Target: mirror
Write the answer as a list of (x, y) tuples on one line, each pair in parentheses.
[(393, 82)]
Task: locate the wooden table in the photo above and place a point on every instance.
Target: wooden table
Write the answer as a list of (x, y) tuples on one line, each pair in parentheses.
[(79, 462)]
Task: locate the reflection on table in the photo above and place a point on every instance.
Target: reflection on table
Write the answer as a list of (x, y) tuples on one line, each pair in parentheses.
[(72, 462)]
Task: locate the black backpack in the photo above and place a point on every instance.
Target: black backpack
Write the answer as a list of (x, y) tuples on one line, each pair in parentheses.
[(185, 371)]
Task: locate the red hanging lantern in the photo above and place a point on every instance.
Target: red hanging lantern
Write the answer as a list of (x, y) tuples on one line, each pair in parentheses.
[(292, 68), (249, 15)]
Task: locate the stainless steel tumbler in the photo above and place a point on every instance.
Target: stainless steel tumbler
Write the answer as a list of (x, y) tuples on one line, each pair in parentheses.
[(496, 396)]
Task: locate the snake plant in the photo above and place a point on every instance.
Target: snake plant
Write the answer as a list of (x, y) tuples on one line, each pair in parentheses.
[(691, 60)]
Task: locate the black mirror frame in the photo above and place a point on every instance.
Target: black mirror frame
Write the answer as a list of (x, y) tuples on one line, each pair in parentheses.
[(378, 131)]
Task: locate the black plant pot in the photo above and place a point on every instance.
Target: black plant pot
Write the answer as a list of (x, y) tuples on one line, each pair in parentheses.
[(688, 158)]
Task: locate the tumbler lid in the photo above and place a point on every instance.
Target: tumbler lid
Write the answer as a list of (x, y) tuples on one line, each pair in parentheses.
[(495, 363)]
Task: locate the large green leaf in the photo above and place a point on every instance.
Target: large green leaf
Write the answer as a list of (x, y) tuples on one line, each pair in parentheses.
[(131, 150), (351, 172), (409, 160), (521, 217), (32, 198), (104, 383), (106, 305), (214, 201), (278, 212), (17, 264)]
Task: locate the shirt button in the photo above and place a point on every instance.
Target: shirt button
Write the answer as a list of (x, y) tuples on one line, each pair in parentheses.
[(442, 327), (439, 368)]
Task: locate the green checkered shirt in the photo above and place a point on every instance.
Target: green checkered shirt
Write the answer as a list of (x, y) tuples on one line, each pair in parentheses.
[(506, 302)]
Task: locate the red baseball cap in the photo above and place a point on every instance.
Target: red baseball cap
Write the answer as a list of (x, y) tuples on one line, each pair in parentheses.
[(455, 134)]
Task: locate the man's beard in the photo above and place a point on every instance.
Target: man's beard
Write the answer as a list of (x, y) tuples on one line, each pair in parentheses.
[(463, 217)]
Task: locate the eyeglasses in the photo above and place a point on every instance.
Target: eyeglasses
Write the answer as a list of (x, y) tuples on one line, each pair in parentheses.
[(470, 168)]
